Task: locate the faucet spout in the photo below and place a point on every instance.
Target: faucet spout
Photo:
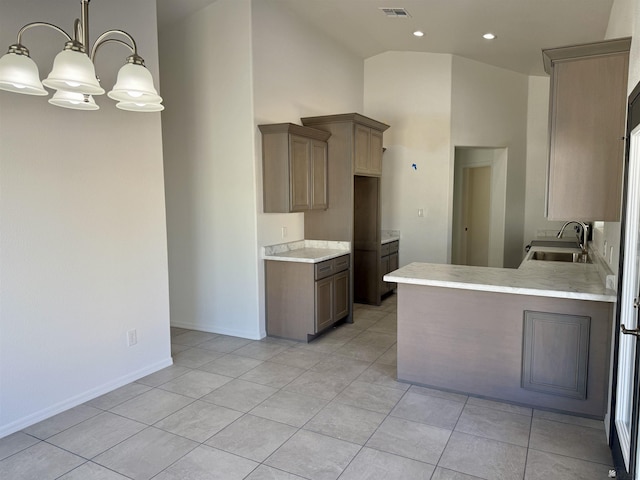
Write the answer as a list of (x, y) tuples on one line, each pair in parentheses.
[(584, 229)]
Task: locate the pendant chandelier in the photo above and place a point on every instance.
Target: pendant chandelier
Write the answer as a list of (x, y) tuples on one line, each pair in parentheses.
[(73, 75)]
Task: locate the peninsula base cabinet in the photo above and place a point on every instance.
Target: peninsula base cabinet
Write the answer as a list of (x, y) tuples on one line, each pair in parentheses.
[(542, 352), (303, 299)]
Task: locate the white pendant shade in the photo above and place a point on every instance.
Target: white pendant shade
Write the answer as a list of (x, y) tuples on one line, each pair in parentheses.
[(135, 84), (75, 101), (73, 72), (140, 107), (19, 74)]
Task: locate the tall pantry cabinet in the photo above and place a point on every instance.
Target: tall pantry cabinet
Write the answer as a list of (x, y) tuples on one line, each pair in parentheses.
[(354, 171)]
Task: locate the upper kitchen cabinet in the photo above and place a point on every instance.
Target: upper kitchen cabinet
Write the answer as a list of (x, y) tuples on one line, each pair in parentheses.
[(294, 168), (366, 146), (587, 115)]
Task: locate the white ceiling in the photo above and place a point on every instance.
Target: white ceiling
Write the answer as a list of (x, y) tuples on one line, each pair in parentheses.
[(523, 27)]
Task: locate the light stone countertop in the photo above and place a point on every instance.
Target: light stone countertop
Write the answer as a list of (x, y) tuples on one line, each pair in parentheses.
[(306, 251), (548, 279), (388, 236)]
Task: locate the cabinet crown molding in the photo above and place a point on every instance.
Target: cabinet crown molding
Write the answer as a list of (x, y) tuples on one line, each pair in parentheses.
[(295, 130), (606, 47), (346, 117)]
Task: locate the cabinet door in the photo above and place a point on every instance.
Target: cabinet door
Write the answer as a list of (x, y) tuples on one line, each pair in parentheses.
[(319, 160), (324, 304), (555, 353), (384, 269), (587, 130), (362, 155), (375, 166), (393, 265), (341, 295), (299, 173)]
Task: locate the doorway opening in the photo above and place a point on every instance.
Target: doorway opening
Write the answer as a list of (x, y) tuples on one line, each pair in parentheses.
[(479, 196)]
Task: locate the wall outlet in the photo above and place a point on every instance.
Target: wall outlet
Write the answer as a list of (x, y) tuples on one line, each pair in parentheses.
[(284, 232), (421, 212), (132, 337)]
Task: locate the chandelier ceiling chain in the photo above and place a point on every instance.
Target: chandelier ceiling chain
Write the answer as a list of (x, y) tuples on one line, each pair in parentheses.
[(73, 75)]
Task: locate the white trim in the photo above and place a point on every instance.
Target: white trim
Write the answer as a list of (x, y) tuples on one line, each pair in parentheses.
[(76, 400), (250, 335)]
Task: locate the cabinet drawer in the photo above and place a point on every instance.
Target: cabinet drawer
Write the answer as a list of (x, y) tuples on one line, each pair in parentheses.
[(324, 269), (340, 263), (384, 251), (394, 246)]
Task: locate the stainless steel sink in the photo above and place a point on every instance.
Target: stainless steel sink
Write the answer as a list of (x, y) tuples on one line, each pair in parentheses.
[(572, 257)]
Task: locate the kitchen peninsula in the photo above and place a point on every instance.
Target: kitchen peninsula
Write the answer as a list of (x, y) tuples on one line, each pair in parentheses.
[(538, 335)]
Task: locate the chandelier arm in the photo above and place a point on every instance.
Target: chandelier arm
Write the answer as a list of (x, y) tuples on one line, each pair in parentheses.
[(98, 44), (103, 38), (41, 24)]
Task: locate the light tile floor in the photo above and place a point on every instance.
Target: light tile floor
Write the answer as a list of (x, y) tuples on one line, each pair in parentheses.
[(232, 409)]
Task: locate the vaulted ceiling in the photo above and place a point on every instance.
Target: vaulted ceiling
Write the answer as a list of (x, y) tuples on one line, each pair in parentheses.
[(523, 27)]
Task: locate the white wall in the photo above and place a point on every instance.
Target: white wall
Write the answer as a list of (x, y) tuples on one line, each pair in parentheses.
[(489, 109), (83, 254), (246, 63), (209, 168), (411, 92), (535, 222), (433, 103)]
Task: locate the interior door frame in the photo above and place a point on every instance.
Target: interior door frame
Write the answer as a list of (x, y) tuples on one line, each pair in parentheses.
[(633, 119)]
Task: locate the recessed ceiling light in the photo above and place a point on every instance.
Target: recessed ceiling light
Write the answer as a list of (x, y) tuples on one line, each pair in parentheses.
[(418, 33), (488, 36)]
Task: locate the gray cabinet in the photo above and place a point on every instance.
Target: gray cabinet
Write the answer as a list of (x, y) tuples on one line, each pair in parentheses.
[(388, 263), (587, 128), (303, 299), (294, 164)]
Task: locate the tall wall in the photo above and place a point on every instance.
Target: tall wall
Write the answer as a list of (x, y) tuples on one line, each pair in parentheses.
[(297, 72), (434, 103), (208, 134), (237, 64), (83, 255), (411, 92), (489, 109)]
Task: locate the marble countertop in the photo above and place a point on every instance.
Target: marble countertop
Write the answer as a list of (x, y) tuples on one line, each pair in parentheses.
[(549, 279), (388, 236), (306, 251)]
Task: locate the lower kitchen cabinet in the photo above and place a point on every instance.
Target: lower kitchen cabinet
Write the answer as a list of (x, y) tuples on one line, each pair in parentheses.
[(388, 263), (303, 299)]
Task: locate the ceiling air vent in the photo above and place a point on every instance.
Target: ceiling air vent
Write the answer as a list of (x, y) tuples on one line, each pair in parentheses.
[(395, 12)]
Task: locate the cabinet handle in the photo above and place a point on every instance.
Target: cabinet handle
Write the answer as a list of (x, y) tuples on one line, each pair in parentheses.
[(626, 331)]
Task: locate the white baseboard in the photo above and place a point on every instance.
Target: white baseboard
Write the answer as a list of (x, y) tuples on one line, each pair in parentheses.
[(76, 400), (251, 335)]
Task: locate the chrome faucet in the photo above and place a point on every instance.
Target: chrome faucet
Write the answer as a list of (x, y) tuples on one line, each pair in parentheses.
[(585, 230)]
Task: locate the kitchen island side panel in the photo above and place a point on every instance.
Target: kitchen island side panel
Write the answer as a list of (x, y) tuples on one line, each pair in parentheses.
[(471, 342)]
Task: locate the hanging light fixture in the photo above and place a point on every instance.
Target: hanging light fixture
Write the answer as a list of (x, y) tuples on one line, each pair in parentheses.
[(73, 75)]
